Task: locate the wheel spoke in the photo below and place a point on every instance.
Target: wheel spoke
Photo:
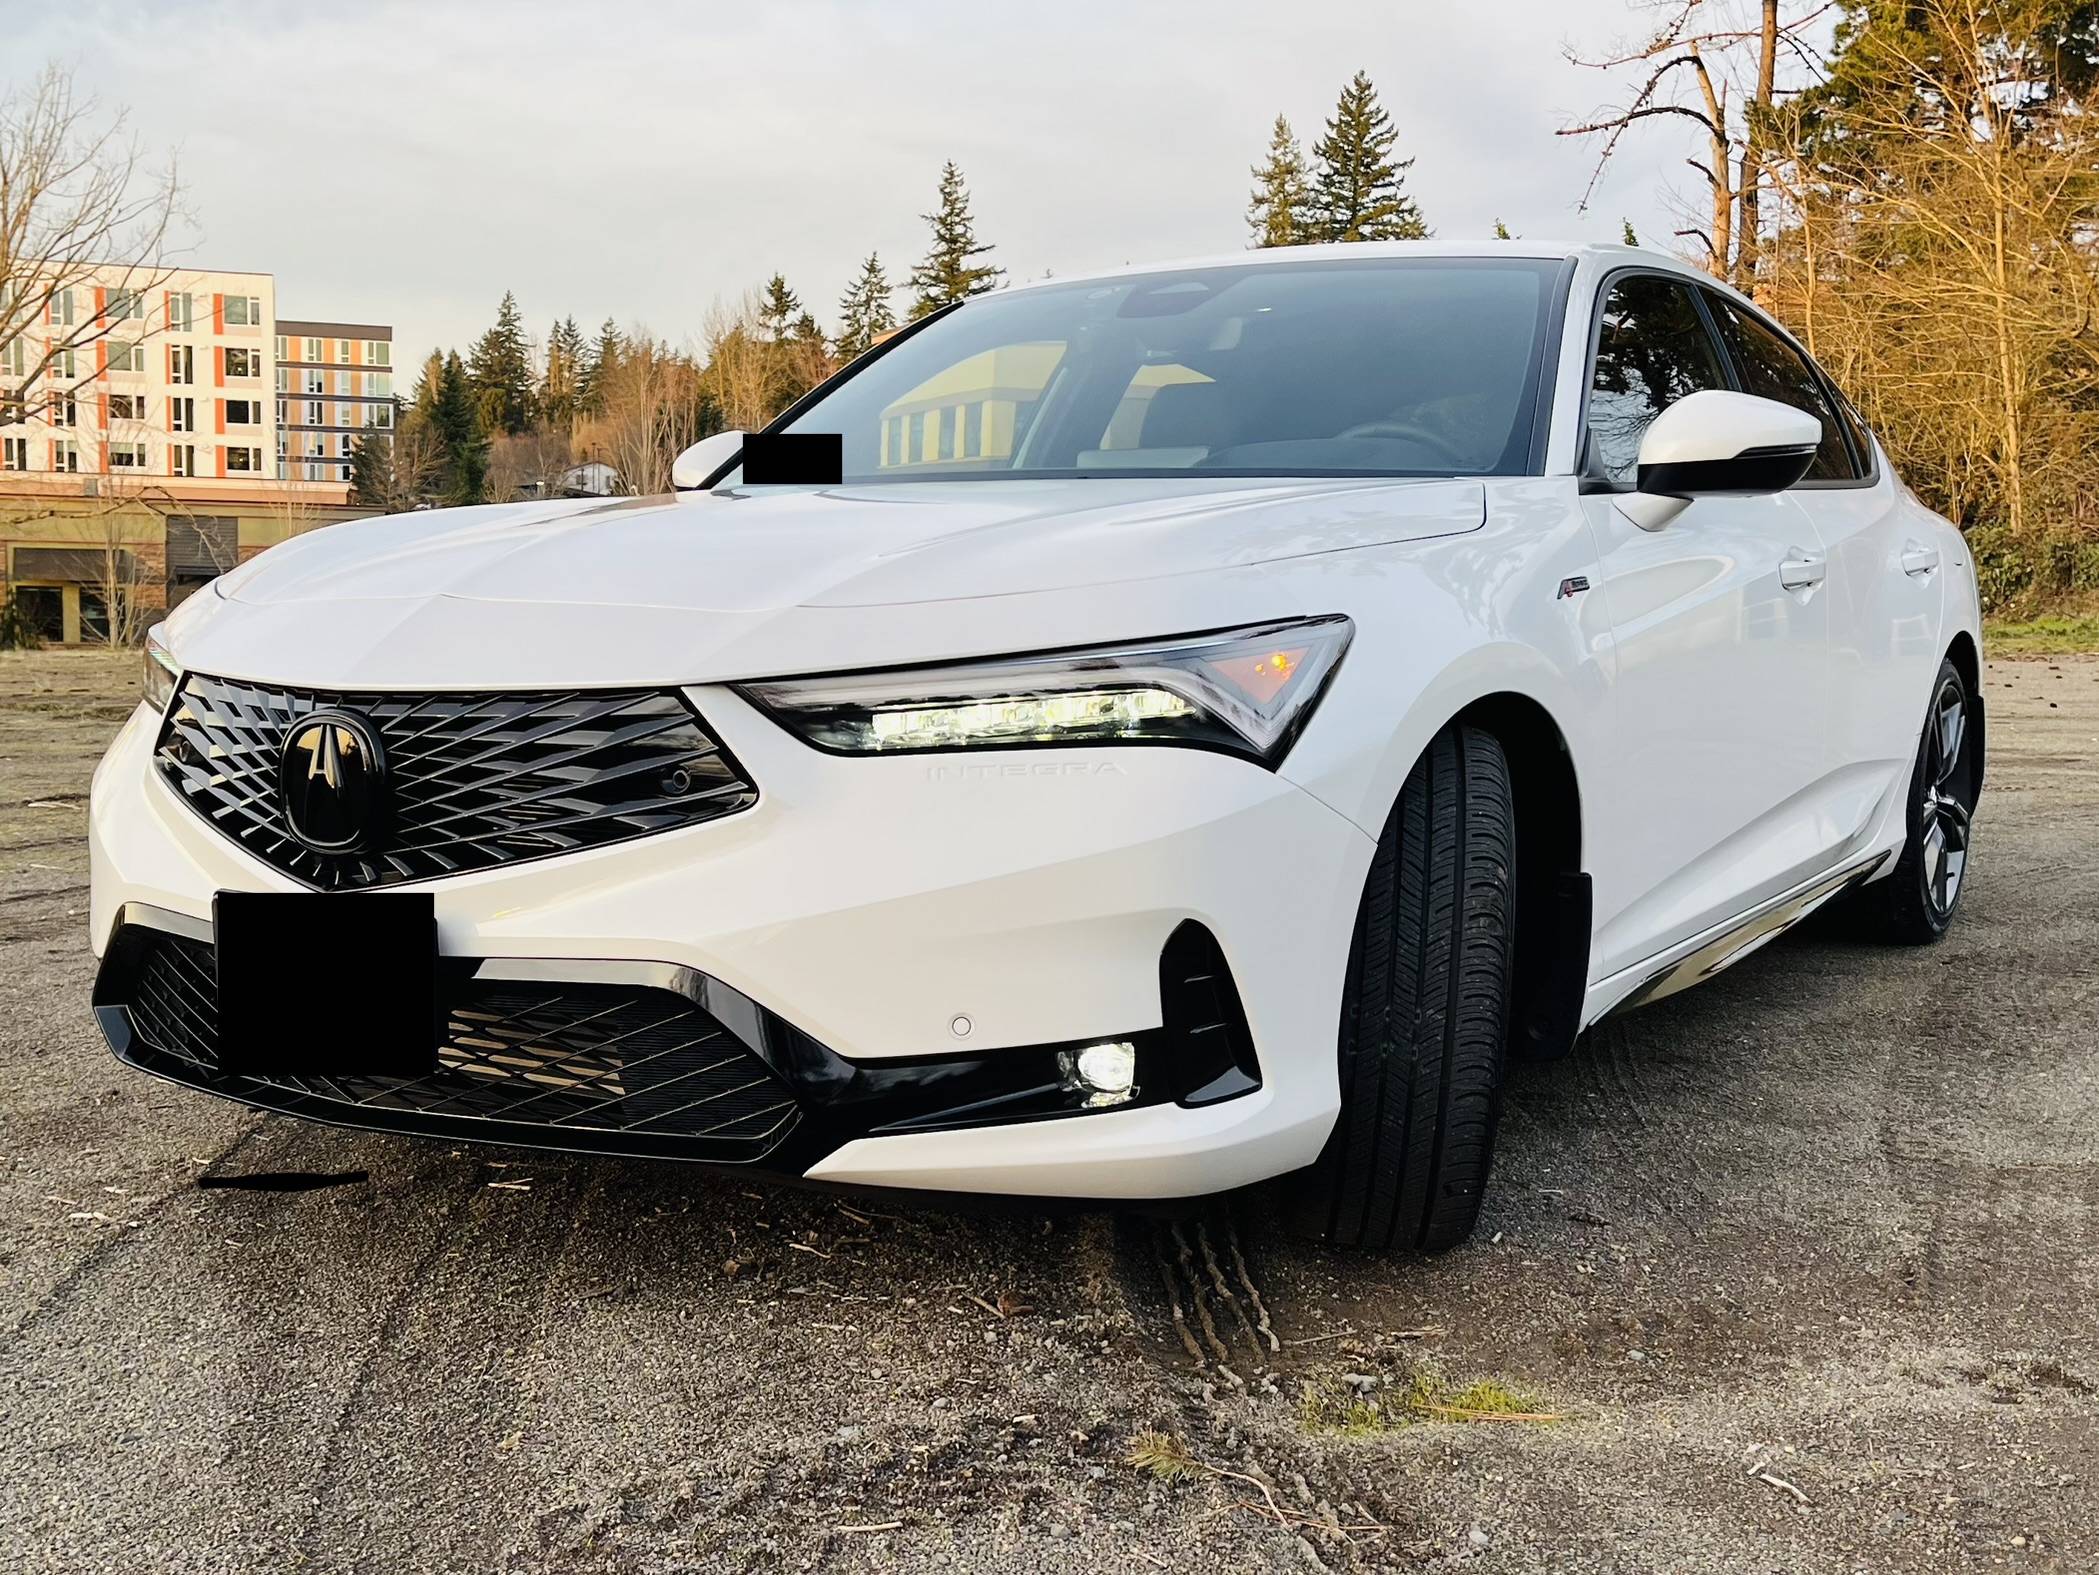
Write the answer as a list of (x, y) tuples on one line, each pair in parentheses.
[(1952, 725)]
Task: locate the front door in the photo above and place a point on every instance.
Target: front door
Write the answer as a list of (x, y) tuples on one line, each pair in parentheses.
[(1718, 649)]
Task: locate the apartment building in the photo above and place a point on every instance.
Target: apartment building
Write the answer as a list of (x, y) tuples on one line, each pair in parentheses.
[(334, 382), (149, 456)]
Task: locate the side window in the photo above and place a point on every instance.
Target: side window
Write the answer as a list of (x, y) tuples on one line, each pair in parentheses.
[(1773, 369), (1855, 424), (1652, 348)]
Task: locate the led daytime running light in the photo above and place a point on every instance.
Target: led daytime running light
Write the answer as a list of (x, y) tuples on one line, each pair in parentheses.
[(1244, 690)]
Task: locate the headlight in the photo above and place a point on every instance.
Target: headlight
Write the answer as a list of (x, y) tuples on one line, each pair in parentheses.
[(1245, 690), (162, 673)]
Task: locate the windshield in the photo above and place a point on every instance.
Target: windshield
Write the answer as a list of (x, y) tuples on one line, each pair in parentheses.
[(1385, 366)]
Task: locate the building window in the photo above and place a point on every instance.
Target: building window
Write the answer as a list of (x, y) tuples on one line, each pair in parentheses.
[(94, 617), (379, 415), (65, 455), (182, 312), (62, 308), (380, 384), (13, 357), (14, 453), (283, 354), (342, 382), (342, 350), (316, 382), (377, 352), (182, 460), (126, 407), (316, 350), (62, 411), (343, 447), (124, 306), (182, 363), (63, 365), (126, 456), (313, 412), (242, 362), (126, 356), (182, 415), (243, 461), (243, 311), (243, 412), (284, 380)]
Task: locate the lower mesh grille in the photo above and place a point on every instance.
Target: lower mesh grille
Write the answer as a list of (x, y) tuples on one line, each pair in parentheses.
[(576, 1065)]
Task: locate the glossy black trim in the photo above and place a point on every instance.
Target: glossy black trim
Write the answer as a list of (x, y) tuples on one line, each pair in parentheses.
[(1756, 472), (836, 1100)]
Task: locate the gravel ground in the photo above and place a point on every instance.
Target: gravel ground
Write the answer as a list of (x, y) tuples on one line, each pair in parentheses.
[(1804, 1262)]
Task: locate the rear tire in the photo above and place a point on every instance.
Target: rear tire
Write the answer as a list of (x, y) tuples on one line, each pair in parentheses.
[(1915, 904), (1424, 1013)]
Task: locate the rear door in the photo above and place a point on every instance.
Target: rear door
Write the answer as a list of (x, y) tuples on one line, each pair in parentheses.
[(1718, 652), (1886, 585)]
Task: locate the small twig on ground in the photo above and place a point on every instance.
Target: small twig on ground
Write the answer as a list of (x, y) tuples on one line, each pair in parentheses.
[(1781, 1483)]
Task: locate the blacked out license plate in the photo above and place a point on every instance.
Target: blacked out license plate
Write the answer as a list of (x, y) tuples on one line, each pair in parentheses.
[(326, 983)]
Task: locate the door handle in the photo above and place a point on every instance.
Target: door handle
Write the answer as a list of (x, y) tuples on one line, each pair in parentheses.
[(1800, 571), (1918, 559)]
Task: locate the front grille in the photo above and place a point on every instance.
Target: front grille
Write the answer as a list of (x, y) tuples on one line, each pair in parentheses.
[(628, 1068), (477, 780)]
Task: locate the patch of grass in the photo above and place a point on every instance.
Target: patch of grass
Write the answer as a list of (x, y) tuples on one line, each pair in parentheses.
[(1163, 1456), (1335, 1405), (2055, 634)]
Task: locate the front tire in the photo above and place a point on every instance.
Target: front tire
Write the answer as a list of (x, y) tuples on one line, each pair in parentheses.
[(1424, 1014)]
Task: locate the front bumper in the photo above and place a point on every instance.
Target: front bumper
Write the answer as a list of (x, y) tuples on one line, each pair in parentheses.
[(861, 911)]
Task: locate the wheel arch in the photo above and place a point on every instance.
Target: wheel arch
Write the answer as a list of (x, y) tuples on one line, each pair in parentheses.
[(1554, 907), (1967, 659)]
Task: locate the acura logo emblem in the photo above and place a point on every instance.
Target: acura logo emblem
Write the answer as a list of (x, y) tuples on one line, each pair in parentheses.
[(332, 781)]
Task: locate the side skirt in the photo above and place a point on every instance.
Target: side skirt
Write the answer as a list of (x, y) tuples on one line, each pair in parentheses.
[(1699, 958)]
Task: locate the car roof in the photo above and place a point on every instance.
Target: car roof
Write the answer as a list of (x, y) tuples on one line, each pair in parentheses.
[(1604, 254)]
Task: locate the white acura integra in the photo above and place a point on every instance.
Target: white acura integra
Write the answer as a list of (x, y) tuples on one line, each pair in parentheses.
[(1182, 727)]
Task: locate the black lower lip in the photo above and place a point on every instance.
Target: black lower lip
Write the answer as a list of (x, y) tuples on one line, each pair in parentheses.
[(776, 1099)]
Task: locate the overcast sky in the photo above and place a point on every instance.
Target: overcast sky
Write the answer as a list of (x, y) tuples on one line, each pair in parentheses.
[(407, 163)]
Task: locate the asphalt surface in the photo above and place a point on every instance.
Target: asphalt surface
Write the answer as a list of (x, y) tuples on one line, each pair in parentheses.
[(1803, 1263)]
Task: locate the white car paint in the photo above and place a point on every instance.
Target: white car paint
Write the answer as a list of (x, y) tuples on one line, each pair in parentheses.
[(1736, 741)]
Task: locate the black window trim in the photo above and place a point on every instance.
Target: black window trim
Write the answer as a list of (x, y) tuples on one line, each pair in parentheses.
[(1594, 482)]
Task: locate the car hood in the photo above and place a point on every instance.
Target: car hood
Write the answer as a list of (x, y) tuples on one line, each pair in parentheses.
[(684, 585)]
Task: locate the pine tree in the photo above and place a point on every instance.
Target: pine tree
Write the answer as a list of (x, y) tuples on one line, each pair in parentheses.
[(424, 402), (1280, 214), (500, 367), (1631, 239), (372, 470), (600, 361), (778, 308), (864, 313), (1359, 192), (459, 431), (949, 273), (559, 388), (1501, 231)]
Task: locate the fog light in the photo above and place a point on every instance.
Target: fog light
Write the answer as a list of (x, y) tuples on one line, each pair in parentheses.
[(1106, 1074)]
